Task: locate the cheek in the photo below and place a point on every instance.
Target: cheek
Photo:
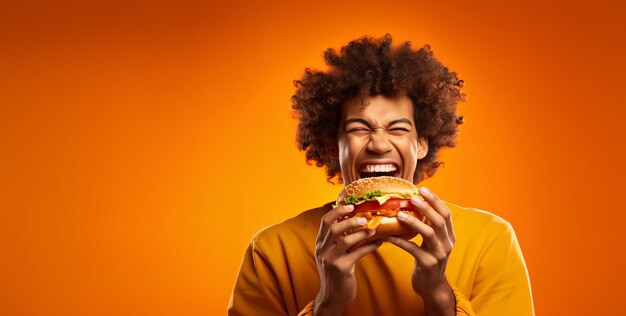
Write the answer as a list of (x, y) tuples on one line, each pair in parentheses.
[(407, 147), (349, 149), (344, 154)]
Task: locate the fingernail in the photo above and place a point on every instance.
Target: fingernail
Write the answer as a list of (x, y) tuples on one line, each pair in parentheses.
[(416, 200), (402, 215), (391, 238), (424, 190), (371, 232), (349, 207), (361, 220)]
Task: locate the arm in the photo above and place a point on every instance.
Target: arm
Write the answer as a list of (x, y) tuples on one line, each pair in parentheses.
[(336, 255), (263, 286), (429, 280), (502, 283)]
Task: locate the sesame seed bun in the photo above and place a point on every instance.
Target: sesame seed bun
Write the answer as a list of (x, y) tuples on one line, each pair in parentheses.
[(384, 183)]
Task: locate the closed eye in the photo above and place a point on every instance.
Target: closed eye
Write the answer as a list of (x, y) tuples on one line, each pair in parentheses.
[(398, 131), (358, 130)]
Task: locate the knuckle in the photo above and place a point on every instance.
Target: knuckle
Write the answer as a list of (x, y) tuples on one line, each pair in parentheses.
[(445, 213), (439, 222), (450, 245), (430, 263), (328, 261), (429, 233), (325, 220), (351, 238), (342, 265), (412, 220)]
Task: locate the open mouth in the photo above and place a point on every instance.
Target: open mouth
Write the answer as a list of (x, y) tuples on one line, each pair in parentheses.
[(377, 174), (378, 170)]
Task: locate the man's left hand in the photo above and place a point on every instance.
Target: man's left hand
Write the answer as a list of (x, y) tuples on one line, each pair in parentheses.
[(431, 258)]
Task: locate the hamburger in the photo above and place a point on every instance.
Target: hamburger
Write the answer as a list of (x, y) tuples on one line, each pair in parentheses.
[(379, 199)]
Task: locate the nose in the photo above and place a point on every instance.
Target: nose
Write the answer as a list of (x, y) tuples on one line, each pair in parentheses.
[(379, 143)]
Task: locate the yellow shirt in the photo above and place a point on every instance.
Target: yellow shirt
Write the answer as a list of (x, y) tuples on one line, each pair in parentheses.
[(486, 270)]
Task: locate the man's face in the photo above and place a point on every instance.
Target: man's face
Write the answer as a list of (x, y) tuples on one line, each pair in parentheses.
[(378, 139)]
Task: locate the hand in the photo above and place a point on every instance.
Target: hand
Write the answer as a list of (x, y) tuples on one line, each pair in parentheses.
[(429, 278), (337, 250)]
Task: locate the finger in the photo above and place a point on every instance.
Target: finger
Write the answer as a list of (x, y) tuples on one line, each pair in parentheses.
[(428, 233), (346, 226), (330, 218), (440, 208), (350, 242), (362, 251), (339, 229), (423, 258), (435, 220)]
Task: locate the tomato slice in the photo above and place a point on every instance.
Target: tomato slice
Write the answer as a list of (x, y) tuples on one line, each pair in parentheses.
[(391, 204)]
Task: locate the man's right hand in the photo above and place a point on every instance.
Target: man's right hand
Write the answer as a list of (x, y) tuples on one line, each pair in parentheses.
[(336, 256)]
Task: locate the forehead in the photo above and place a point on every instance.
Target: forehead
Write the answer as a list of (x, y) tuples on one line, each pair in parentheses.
[(378, 108)]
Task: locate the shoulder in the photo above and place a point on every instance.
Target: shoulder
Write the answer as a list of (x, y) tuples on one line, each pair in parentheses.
[(480, 234), (301, 229), (470, 220)]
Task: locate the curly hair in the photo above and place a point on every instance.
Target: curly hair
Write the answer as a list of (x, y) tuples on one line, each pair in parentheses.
[(368, 67)]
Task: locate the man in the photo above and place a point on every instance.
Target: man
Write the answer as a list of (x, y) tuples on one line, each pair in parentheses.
[(394, 107)]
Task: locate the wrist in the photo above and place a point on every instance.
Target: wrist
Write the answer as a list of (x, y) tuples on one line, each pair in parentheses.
[(440, 301), (323, 309), (326, 308)]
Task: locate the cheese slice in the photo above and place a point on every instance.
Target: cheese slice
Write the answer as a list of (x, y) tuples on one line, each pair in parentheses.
[(384, 198)]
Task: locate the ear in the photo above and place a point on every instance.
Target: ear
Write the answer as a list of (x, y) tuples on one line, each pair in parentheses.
[(422, 147)]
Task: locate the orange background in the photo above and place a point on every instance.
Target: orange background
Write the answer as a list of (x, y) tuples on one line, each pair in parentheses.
[(143, 144)]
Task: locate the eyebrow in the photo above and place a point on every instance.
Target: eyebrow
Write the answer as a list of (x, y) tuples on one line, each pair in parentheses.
[(366, 123)]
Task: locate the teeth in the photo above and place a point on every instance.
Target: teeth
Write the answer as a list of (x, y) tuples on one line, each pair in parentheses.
[(378, 168)]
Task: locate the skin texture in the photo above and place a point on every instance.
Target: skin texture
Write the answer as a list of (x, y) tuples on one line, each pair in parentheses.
[(382, 129)]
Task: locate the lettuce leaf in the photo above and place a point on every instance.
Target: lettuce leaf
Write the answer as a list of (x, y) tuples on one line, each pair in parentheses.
[(375, 195)]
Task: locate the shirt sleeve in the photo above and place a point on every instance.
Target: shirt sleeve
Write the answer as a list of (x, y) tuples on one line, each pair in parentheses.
[(308, 309), (463, 307), (502, 285), (256, 290)]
